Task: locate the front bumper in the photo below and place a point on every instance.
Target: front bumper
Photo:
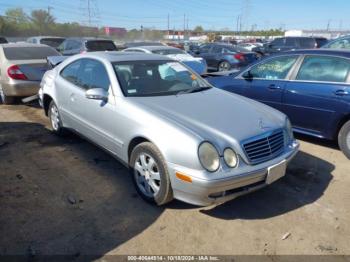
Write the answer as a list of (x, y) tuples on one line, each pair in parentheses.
[(20, 88), (208, 192)]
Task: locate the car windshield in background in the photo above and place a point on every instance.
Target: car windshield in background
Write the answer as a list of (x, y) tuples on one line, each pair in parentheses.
[(53, 42), (157, 78), (101, 46), (168, 52), (29, 53)]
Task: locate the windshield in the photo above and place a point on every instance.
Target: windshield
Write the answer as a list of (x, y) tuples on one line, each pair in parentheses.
[(157, 78), (29, 53), (168, 52), (53, 42)]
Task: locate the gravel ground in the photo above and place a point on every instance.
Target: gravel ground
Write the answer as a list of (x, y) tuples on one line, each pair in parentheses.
[(66, 196)]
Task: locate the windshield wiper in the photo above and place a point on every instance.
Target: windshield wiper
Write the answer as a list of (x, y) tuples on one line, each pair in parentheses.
[(194, 90)]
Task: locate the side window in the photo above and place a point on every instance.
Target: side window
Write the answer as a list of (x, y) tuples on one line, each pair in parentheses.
[(217, 50), (70, 72), (278, 42), (93, 74), (75, 44), (324, 68), (290, 41), (340, 44), (205, 48), (277, 68)]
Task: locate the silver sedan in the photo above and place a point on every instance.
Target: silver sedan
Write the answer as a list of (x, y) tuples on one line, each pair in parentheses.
[(180, 137)]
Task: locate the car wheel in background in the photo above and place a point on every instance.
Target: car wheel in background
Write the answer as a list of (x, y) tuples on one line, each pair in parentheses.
[(55, 119), (224, 66), (6, 100), (344, 139), (150, 175)]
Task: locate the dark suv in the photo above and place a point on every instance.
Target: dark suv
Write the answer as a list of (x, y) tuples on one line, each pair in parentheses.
[(287, 44), (72, 46)]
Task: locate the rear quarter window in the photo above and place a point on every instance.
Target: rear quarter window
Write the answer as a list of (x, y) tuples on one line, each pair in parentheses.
[(29, 53)]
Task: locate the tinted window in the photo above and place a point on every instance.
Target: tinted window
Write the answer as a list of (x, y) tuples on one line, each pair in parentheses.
[(291, 41), (53, 42), (278, 41), (101, 46), (70, 72), (155, 78), (276, 68), (307, 43), (340, 44), (29, 53), (93, 74), (327, 69), (321, 42)]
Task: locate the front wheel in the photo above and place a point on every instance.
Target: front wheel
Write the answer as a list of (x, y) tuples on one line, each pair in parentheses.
[(344, 139), (224, 66), (150, 175)]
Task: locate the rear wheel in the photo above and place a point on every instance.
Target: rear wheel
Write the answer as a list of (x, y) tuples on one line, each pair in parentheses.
[(224, 66), (55, 119), (150, 175), (344, 139), (6, 100)]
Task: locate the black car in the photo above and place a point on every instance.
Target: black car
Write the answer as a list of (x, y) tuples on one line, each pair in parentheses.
[(287, 44), (72, 46), (3, 40), (224, 57)]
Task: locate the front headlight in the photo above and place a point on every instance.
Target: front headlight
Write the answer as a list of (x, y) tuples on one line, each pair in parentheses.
[(209, 157), (289, 130), (230, 157)]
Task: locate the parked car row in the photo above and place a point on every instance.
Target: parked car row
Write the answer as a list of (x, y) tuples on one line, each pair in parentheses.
[(312, 87)]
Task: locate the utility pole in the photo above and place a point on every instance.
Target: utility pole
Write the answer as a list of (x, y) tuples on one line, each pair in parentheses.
[(168, 25), (49, 9), (89, 12), (184, 33), (329, 24)]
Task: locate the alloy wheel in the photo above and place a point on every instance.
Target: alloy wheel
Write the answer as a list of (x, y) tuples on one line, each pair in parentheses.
[(55, 118)]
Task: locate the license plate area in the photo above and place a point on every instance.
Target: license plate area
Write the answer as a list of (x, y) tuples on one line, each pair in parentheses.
[(276, 172)]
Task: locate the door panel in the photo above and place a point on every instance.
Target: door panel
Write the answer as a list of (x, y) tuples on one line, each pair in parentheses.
[(315, 101), (313, 106)]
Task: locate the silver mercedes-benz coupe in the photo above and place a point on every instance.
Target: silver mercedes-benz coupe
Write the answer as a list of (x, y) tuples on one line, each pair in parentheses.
[(180, 137)]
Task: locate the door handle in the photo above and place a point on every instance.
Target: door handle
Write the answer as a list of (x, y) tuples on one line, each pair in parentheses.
[(341, 93), (273, 87)]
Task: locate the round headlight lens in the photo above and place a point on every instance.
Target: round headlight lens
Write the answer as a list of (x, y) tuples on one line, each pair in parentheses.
[(230, 157), (209, 157)]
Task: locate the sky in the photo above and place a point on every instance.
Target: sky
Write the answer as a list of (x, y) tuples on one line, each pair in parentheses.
[(210, 14)]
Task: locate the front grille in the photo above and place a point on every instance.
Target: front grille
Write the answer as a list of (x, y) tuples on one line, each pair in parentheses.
[(264, 148)]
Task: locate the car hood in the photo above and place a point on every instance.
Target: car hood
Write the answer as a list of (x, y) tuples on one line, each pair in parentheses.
[(214, 113)]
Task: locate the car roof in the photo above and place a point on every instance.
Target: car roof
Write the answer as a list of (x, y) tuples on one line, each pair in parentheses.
[(157, 47), (47, 36), (117, 56), (320, 51), (88, 39), (23, 45)]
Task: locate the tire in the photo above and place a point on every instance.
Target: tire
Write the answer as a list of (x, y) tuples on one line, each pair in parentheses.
[(150, 174), (6, 100), (224, 66), (55, 119), (344, 139)]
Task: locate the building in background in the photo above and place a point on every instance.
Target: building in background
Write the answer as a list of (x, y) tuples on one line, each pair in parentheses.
[(115, 31), (330, 34)]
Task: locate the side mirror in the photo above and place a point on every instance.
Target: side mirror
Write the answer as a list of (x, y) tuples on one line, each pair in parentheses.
[(97, 94), (247, 75)]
